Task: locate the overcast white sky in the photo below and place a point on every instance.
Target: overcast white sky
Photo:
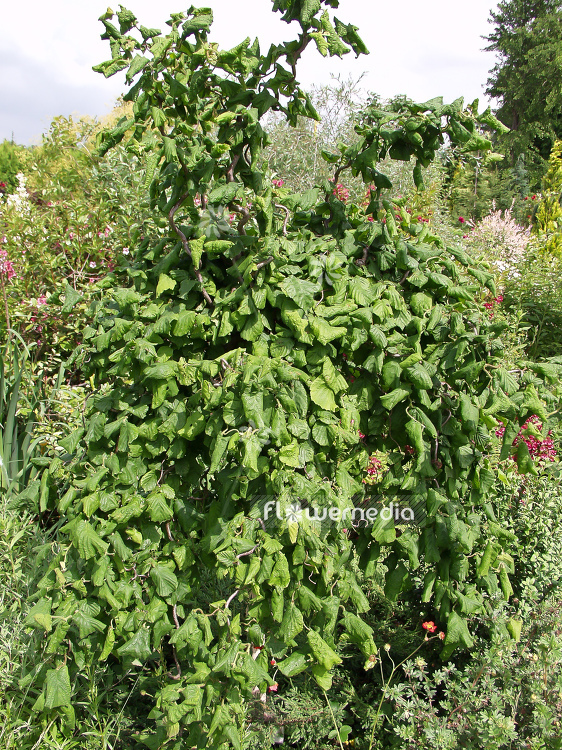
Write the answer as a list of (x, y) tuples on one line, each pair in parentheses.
[(47, 49)]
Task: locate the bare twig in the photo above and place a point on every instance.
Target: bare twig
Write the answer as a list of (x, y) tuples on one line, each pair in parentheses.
[(245, 217), (363, 260), (340, 169), (249, 552), (264, 263), (230, 171), (231, 597), (297, 53), (176, 676), (287, 214), (168, 532)]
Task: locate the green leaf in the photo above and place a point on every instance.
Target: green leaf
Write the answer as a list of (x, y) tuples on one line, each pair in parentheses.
[(87, 624), (514, 627), (322, 394), (470, 414), (300, 291), (290, 455), (525, 463), (71, 442), (359, 633), (164, 283), (71, 298), (293, 664), (108, 644), (390, 400), (325, 656), (324, 332), (396, 581), (137, 647), (280, 576), (292, 623), (57, 688), (456, 635), (138, 63), (85, 538), (333, 378), (165, 581), (170, 150), (39, 616), (158, 509)]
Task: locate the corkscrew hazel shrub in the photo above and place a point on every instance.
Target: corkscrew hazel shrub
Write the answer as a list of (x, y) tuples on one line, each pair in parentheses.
[(223, 371)]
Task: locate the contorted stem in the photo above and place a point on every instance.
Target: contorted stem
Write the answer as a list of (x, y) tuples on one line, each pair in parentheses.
[(185, 244)]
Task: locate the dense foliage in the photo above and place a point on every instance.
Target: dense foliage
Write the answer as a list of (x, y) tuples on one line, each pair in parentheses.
[(526, 38), (272, 346)]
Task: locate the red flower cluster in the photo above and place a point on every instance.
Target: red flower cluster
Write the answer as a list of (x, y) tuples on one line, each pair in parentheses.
[(420, 218), (374, 466), (533, 198), (495, 301), (461, 219), (341, 192), (540, 449), (6, 267), (278, 183)]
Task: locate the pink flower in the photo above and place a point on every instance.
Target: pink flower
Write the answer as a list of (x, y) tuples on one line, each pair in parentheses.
[(6, 267), (341, 192), (278, 183), (361, 435), (499, 298), (92, 264), (126, 251), (107, 231), (430, 626), (461, 219), (42, 300), (273, 688), (541, 449)]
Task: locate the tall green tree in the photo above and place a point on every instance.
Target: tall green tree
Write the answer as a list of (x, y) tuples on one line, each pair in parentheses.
[(527, 78)]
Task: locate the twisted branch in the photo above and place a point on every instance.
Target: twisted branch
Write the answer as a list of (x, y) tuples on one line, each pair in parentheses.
[(185, 244)]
